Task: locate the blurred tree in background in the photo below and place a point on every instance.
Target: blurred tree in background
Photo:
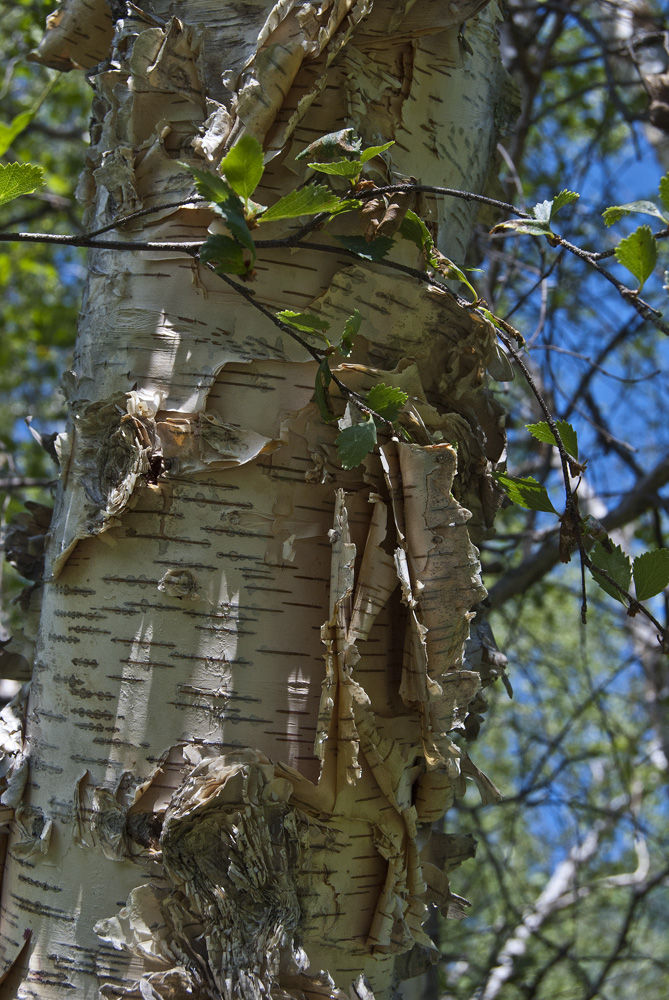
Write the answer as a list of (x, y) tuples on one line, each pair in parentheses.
[(569, 891)]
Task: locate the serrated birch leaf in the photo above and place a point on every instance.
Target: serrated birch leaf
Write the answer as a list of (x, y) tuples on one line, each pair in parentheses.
[(638, 253), (616, 212), (243, 166), (306, 201), (209, 185), (617, 564), (306, 322), (651, 573), (340, 168), (322, 393), (17, 179), (542, 432), (355, 443), (529, 226), (226, 254), (526, 492), (664, 191), (560, 200), (351, 328), (375, 250), (371, 151), (350, 168), (386, 400)]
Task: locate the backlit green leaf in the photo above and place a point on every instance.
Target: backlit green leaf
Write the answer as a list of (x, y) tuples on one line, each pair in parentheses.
[(542, 432), (638, 253), (9, 132), (243, 166), (17, 179), (664, 191), (340, 168), (617, 565), (305, 201), (651, 573), (20, 122), (560, 200), (350, 168), (372, 151)]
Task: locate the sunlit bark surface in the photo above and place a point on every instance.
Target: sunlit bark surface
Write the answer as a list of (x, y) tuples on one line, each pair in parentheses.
[(250, 665)]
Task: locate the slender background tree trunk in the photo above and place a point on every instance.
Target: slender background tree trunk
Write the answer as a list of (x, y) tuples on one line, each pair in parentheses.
[(249, 661)]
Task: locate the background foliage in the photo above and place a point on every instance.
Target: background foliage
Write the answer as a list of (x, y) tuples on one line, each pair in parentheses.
[(569, 889)]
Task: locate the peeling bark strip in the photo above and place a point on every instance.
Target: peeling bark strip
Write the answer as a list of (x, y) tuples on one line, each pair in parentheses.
[(249, 666)]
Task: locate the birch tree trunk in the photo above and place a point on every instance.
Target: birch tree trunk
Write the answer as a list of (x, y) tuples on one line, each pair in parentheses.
[(249, 663)]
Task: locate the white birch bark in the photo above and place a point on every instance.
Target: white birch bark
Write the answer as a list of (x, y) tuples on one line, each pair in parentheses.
[(250, 662)]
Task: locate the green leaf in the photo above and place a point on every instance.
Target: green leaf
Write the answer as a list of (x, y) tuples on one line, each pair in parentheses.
[(452, 271), (306, 201), (616, 212), (542, 432), (651, 573), (372, 151), (21, 121), (386, 400), (376, 250), (529, 226), (351, 328), (414, 229), (306, 322), (638, 253), (563, 198), (17, 179), (9, 132), (355, 442), (208, 185), (664, 191), (321, 391), (617, 565), (351, 168), (526, 493), (340, 168), (243, 166), (227, 255), (225, 203)]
